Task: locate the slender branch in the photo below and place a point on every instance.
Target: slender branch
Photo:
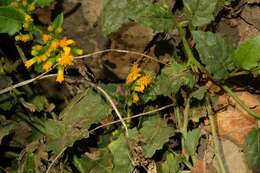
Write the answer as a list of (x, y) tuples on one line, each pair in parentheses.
[(240, 102), (55, 159), (215, 138)]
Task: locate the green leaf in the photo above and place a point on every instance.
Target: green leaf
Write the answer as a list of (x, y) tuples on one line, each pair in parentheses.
[(171, 79), (252, 149), (11, 20), (4, 2), (57, 23), (121, 155), (215, 52), (40, 102), (247, 55), (101, 165), (199, 93), (155, 133), (200, 12), (29, 164), (85, 109), (43, 3), (192, 141), (5, 129), (171, 164), (119, 12)]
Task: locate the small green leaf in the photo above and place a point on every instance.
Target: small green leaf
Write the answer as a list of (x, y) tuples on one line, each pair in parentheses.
[(252, 149), (29, 164), (57, 23), (199, 93), (101, 165), (171, 79), (11, 20), (155, 133), (5, 129), (121, 155), (85, 109), (171, 164), (119, 12), (40, 102), (4, 2), (247, 55), (192, 141), (200, 12), (43, 3), (215, 52)]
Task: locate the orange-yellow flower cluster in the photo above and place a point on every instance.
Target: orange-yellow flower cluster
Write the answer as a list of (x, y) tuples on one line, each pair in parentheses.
[(137, 80)]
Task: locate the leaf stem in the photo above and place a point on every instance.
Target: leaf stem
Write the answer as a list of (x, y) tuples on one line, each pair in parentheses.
[(215, 138), (240, 102)]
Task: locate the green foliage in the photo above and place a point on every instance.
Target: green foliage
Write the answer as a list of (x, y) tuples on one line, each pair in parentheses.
[(4, 2), (247, 55), (171, 79), (215, 52), (11, 20), (143, 12), (120, 152), (5, 129), (252, 149), (199, 93), (200, 12), (171, 164), (57, 23), (192, 141), (29, 164), (85, 109), (102, 165), (43, 3), (155, 133)]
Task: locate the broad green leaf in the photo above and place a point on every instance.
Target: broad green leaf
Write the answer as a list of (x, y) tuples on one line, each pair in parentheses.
[(247, 55), (43, 3), (4, 2), (85, 109), (171, 79), (199, 93), (192, 141), (215, 53), (57, 23), (119, 12), (29, 164), (121, 155), (155, 133), (5, 129), (171, 164), (11, 20), (101, 165), (200, 12), (252, 149)]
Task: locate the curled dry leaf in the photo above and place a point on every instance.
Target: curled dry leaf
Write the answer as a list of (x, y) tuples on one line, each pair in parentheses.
[(234, 123)]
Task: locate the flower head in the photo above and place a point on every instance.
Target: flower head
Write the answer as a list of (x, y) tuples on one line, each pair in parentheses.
[(135, 98), (60, 75), (133, 75), (29, 63), (142, 83), (66, 57)]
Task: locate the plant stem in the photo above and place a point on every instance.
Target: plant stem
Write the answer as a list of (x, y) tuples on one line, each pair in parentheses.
[(240, 102), (178, 117), (186, 118), (215, 138)]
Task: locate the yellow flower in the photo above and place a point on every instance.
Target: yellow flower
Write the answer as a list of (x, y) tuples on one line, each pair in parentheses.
[(133, 75), (25, 38), (142, 83), (45, 37), (66, 57), (37, 47), (65, 42), (48, 64), (60, 75), (50, 28), (135, 98), (28, 18), (29, 63), (41, 58), (31, 7)]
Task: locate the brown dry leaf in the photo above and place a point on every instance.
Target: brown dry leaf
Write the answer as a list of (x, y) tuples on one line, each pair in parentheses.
[(202, 167), (234, 123)]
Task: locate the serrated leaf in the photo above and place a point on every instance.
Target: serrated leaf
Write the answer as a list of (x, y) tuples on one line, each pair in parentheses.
[(171, 79), (252, 149), (57, 23), (192, 141), (85, 109), (155, 133), (215, 53), (171, 164), (43, 3), (200, 12), (101, 165), (5, 129), (11, 20), (247, 55), (121, 155), (119, 12)]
